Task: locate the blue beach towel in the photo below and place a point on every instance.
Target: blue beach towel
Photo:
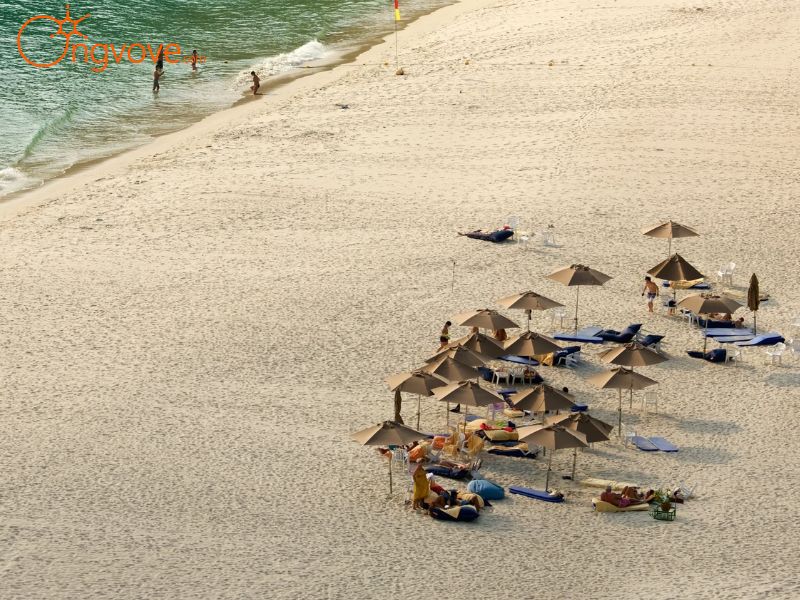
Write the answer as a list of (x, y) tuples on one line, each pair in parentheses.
[(536, 494), (663, 444), (642, 443)]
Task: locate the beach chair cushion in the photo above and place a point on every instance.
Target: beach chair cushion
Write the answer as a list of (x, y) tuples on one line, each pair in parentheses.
[(536, 494), (513, 413), (663, 444), (642, 443), (577, 337), (651, 339), (601, 506), (727, 331), (464, 513), (765, 339), (622, 337), (486, 489), (518, 451)]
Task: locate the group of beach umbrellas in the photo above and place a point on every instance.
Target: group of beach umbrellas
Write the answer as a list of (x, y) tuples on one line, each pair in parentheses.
[(451, 375)]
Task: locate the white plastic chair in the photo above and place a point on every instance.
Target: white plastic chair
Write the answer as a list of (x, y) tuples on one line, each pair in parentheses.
[(548, 237), (776, 352), (628, 434), (501, 374), (515, 223), (725, 273), (735, 355), (524, 239), (794, 348), (517, 373), (650, 398), (686, 491), (557, 314)]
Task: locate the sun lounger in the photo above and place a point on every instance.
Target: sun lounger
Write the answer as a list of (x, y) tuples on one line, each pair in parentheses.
[(642, 443), (663, 444), (513, 452), (520, 360), (595, 482), (717, 355), (727, 332), (601, 506), (560, 357), (620, 337), (765, 339), (714, 323), (578, 337), (536, 494), (651, 339), (732, 338)]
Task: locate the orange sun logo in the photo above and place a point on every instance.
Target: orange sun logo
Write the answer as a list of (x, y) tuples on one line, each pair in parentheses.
[(67, 35)]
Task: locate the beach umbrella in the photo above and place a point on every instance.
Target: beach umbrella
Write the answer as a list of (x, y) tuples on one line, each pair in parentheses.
[(469, 393), (753, 300), (669, 230), (485, 319), (578, 275), (530, 344), (542, 398), (450, 369), (387, 433), (675, 268), (552, 437), (528, 301), (707, 304), (620, 379), (592, 428), (632, 354), (481, 344), (413, 382), (459, 354)]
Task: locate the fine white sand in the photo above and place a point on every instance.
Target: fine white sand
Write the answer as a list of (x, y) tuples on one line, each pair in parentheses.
[(191, 331)]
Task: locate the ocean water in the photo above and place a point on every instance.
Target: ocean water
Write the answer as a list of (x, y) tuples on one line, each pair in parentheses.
[(56, 117)]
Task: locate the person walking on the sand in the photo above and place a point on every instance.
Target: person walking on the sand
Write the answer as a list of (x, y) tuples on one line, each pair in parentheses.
[(256, 83), (444, 337), (651, 289)]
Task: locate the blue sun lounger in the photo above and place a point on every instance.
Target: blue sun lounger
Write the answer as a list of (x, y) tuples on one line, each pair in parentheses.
[(727, 332), (587, 335), (536, 494), (765, 339), (642, 443), (733, 338), (663, 444), (520, 360)]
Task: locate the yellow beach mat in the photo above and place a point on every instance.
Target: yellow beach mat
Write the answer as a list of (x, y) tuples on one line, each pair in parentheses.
[(685, 285), (617, 486), (601, 506)]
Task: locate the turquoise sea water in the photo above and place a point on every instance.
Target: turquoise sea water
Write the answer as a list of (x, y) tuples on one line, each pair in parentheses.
[(57, 117)]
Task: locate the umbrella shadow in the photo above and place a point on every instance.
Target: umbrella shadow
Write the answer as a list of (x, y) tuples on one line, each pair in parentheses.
[(788, 379), (705, 425), (704, 455)]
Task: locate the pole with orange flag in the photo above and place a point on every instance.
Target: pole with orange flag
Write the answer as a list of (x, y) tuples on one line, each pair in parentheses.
[(396, 20)]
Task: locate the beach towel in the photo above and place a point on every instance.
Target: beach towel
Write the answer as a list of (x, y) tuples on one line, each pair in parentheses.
[(457, 513), (663, 444), (536, 494), (601, 506), (496, 237), (617, 486), (642, 443), (765, 339)]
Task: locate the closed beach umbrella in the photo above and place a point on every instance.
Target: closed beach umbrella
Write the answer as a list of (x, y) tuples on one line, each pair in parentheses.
[(552, 437), (530, 344), (458, 354), (387, 433), (669, 230), (578, 275), (481, 344), (708, 304), (592, 428), (542, 398), (413, 382), (484, 319), (753, 299), (620, 379), (528, 301)]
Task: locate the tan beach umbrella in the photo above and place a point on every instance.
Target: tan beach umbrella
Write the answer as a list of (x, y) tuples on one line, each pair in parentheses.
[(669, 230), (578, 275), (592, 428), (552, 437), (481, 344), (387, 433), (458, 354), (620, 379), (675, 268), (484, 319), (450, 369), (531, 343), (528, 301), (753, 300), (542, 398), (632, 354), (466, 392), (707, 304), (413, 382)]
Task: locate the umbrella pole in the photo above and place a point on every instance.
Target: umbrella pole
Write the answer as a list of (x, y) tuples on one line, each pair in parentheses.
[(447, 415), (577, 299), (547, 477), (669, 247), (419, 407), (705, 337), (574, 461), (619, 413), (631, 390), (390, 474)]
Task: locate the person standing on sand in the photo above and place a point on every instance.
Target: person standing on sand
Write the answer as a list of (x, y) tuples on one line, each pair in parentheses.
[(651, 289), (156, 76), (444, 337), (256, 82)]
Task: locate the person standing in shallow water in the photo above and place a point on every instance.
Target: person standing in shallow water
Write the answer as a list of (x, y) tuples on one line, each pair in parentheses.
[(256, 83), (156, 78), (194, 60)]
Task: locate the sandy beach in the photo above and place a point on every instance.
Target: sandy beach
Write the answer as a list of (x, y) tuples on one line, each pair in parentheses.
[(192, 330)]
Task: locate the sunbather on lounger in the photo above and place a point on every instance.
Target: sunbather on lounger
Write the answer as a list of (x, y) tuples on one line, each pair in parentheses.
[(619, 500)]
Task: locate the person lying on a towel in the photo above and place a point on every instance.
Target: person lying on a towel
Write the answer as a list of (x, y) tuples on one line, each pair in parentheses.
[(621, 500), (496, 236)]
